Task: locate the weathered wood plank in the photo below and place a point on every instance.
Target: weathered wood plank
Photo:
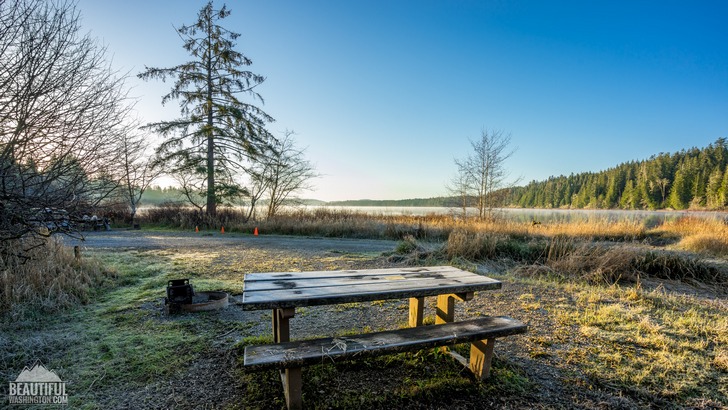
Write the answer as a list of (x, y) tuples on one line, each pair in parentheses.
[(327, 295), (307, 352), (365, 286), (294, 282), (270, 276)]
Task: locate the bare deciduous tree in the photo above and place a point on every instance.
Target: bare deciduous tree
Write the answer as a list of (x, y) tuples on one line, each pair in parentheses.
[(257, 186), (193, 188), (280, 173), (483, 172), (460, 193), (62, 109), (290, 173), (139, 171)]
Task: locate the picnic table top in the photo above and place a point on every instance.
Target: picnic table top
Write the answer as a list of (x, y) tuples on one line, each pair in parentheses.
[(279, 290)]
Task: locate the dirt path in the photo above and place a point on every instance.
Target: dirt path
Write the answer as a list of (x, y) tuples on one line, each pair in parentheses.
[(207, 241)]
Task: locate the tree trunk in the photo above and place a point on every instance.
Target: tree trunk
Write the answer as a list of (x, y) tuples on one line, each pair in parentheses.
[(211, 202), (251, 210)]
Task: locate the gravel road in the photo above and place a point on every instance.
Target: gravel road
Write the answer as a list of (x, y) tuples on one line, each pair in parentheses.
[(182, 240)]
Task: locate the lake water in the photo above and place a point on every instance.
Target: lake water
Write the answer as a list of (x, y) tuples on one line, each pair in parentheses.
[(520, 214), (542, 215)]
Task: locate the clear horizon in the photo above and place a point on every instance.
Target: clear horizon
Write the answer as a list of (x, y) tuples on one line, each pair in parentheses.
[(385, 95)]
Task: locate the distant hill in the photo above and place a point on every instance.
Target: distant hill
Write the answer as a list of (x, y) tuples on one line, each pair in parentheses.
[(421, 202), (157, 196), (689, 179)]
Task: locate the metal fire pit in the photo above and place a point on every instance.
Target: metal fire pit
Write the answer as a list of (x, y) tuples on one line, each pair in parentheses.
[(179, 292), (181, 297), (203, 301)]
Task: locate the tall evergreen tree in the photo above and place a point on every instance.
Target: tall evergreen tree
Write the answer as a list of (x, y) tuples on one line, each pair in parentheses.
[(627, 201), (217, 131), (713, 193), (723, 191), (681, 192)]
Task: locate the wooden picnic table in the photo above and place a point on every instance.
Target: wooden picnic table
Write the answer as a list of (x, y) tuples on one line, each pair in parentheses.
[(283, 292), (287, 290)]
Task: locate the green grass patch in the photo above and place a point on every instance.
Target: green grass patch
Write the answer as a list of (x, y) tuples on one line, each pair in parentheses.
[(391, 381), (652, 346)]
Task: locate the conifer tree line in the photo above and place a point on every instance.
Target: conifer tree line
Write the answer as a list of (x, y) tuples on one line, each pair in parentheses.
[(689, 179)]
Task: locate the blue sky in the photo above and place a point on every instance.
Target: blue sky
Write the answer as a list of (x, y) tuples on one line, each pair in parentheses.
[(386, 94)]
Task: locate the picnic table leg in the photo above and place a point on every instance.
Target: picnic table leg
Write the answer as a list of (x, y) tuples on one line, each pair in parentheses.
[(445, 313), (292, 387), (445, 309), (275, 326), (481, 355), (416, 311), (291, 378), (446, 306), (281, 328)]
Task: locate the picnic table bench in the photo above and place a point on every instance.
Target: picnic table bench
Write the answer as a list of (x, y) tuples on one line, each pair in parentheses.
[(283, 292)]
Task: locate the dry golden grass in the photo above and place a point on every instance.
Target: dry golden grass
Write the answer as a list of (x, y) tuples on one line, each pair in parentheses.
[(646, 341), (700, 235), (596, 264), (337, 222), (596, 228), (578, 250), (691, 225), (721, 358), (52, 278), (705, 243)]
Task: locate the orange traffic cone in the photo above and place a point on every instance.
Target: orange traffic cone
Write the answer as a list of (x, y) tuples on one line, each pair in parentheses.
[(197, 229), (222, 230), (255, 232)]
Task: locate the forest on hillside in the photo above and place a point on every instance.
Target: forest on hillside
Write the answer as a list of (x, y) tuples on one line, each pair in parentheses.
[(689, 179)]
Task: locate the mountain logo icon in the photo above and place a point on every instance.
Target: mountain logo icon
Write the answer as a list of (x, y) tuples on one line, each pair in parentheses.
[(37, 385), (38, 374)]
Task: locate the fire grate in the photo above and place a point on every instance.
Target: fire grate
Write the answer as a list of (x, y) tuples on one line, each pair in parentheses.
[(179, 292), (181, 297)]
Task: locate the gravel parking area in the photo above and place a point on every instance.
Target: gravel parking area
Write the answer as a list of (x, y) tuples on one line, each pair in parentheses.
[(143, 240)]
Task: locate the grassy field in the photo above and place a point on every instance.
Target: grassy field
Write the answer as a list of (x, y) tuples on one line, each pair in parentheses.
[(620, 315)]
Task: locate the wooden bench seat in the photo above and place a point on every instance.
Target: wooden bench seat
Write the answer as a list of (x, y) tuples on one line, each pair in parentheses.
[(481, 332)]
